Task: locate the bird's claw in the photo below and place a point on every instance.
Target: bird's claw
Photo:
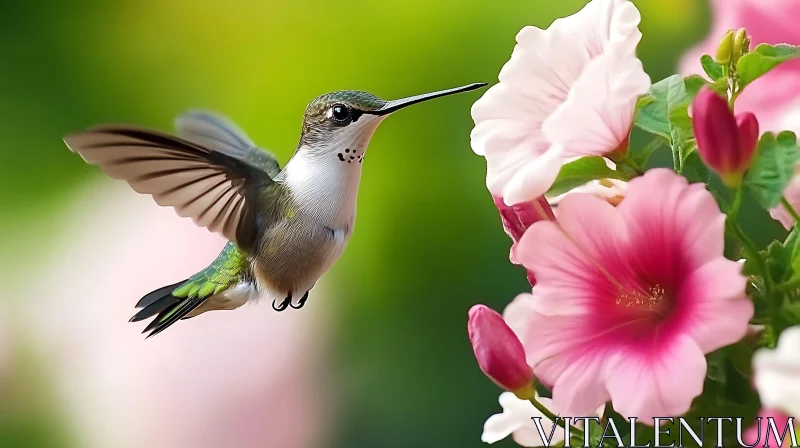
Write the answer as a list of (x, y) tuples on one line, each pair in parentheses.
[(301, 303), (284, 304)]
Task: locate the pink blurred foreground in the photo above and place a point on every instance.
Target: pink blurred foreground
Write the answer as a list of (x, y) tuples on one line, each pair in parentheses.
[(244, 378), (774, 97)]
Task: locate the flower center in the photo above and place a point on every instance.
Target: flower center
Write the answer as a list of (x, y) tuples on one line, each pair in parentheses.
[(653, 300)]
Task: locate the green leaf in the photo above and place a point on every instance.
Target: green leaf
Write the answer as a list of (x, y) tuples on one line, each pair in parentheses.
[(781, 257), (762, 59), (712, 69), (790, 314), (778, 260), (693, 84), (741, 356), (667, 114), (773, 167), (641, 155), (644, 100), (792, 245), (666, 95), (694, 170), (717, 361), (582, 171)]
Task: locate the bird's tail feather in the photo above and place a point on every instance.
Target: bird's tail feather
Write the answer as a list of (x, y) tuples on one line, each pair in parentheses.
[(156, 302), (167, 308), (175, 302)]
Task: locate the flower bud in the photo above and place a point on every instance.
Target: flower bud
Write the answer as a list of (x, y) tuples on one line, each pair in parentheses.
[(499, 352), (741, 44), (724, 49), (725, 143), (518, 217), (747, 124)]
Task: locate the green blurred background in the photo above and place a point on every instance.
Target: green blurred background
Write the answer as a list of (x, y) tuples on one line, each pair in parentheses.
[(429, 243)]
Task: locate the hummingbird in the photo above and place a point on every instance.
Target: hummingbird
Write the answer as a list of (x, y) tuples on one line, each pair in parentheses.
[(285, 226)]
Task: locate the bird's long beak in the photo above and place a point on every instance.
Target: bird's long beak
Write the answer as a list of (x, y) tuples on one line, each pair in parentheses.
[(394, 105)]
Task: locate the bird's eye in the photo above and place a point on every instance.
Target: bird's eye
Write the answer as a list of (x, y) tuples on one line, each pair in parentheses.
[(340, 112)]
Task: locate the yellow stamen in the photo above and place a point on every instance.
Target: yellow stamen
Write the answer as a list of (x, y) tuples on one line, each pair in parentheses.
[(651, 300)]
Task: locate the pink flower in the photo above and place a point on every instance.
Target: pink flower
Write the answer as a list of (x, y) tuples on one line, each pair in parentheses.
[(774, 98), (629, 299), (498, 350), (582, 69), (246, 378), (725, 142), (762, 433)]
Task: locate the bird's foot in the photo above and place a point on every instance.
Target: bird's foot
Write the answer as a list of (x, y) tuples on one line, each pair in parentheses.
[(284, 304), (302, 301)]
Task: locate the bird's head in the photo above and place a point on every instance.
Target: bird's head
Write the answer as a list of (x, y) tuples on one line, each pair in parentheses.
[(346, 120)]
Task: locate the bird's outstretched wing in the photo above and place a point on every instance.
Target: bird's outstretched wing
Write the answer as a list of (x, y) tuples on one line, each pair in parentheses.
[(212, 130), (213, 186)]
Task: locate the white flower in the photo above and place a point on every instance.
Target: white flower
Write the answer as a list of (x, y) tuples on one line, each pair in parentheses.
[(516, 420), (567, 91), (777, 373)]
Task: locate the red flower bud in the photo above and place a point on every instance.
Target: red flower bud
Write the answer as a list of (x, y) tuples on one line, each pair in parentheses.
[(725, 143), (499, 352), (517, 218), (747, 124)]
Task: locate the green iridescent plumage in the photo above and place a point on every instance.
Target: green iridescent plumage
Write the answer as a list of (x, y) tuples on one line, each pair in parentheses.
[(223, 273), (175, 302)]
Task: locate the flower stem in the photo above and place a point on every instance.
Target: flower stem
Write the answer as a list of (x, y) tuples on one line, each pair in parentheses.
[(737, 204), (751, 251), (546, 412), (676, 160), (749, 247), (791, 210)]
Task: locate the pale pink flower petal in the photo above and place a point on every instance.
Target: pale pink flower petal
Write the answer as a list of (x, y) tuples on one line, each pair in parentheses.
[(575, 391), (516, 314), (627, 297), (582, 69), (535, 177), (776, 373), (714, 320), (660, 382), (564, 276), (607, 89), (595, 227)]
